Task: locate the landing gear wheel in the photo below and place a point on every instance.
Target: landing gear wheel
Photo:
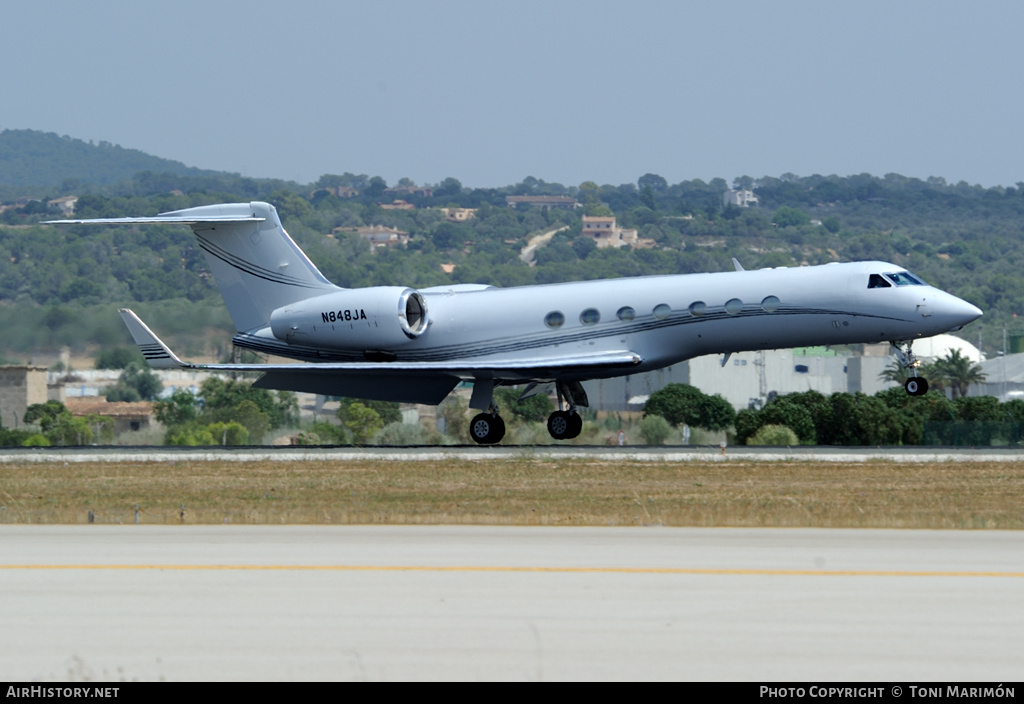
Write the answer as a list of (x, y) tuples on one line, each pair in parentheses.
[(487, 428), (575, 425), (564, 425), (916, 386)]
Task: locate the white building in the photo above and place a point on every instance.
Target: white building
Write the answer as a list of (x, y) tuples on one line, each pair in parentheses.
[(743, 198)]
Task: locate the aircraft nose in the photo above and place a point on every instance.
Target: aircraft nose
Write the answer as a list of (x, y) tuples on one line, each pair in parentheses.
[(957, 312)]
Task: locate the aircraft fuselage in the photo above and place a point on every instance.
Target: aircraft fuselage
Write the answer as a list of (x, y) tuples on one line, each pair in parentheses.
[(664, 319)]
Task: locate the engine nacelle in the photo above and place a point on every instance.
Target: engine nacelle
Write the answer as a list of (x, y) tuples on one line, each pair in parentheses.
[(376, 318)]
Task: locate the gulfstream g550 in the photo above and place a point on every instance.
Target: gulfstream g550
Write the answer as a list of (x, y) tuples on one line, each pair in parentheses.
[(395, 343)]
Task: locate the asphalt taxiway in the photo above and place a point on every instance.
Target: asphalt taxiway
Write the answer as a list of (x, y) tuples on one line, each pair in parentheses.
[(471, 602)]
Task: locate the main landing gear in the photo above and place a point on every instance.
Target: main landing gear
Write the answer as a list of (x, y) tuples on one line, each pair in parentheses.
[(567, 424), (488, 428), (915, 385)]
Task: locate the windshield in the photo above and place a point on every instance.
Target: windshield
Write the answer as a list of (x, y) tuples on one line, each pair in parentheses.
[(904, 278)]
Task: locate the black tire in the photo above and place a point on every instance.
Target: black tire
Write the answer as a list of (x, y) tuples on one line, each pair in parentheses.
[(575, 426), (560, 425), (916, 386), (486, 428)]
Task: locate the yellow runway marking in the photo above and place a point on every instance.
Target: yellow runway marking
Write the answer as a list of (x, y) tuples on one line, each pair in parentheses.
[(482, 568)]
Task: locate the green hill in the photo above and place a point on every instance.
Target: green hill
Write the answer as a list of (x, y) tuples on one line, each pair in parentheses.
[(44, 159)]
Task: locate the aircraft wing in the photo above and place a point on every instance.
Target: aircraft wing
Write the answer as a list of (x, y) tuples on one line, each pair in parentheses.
[(418, 382)]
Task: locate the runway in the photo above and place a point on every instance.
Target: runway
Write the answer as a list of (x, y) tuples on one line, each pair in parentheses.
[(467, 603)]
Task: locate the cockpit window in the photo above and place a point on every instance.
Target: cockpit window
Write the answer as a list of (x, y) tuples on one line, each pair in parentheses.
[(904, 278), (878, 281)]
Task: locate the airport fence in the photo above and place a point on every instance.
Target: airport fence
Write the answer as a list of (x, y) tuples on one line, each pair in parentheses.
[(973, 433)]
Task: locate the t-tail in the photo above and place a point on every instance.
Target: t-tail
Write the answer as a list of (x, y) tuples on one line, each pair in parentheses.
[(257, 266)]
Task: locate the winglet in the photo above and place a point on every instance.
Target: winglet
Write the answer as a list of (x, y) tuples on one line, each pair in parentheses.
[(153, 349)]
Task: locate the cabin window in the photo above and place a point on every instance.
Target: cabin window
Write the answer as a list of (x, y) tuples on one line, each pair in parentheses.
[(590, 316), (770, 304), (554, 319), (878, 281), (662, 311), (698, 308), (733, 306), (625, 314)]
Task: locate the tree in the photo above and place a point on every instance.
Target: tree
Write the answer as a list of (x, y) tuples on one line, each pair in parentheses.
[(363, 422), (786, 216), (448, 188), (454, 411), (135, 383), (58, 424), (682, 403), (583, 246), (532, 409), (117, 357), (389, 411), (655, 430), (248, 414), (653, 181), (181, 408), (46, 415), (647, 198), (896, 373), (958, 371), (220, 397), (375, 187), (231, 433), (774, 435), (792, 414)]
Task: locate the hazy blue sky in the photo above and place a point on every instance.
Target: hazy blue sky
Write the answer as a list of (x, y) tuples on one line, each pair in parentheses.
[(492, 92)]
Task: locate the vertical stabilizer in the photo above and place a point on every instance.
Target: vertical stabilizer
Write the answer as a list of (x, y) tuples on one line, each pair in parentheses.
[(257, 266)]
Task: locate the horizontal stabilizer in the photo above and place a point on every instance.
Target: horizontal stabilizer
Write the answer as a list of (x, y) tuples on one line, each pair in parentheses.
[(160, 220), (157, 354)]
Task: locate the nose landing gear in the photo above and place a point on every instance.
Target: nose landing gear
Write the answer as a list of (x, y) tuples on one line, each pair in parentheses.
[(915, 385)]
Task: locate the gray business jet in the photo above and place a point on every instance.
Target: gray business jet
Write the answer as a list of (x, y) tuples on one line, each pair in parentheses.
[(394, 343)]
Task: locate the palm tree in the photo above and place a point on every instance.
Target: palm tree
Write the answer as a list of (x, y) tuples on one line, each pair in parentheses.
[(959, 371), (899, 374), (895, 372)]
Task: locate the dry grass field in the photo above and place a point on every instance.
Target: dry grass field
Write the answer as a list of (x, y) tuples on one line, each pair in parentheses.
[(521, 492)]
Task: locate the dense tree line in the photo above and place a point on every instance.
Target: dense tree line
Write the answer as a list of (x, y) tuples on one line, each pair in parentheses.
[(959, 237), (889, 417)]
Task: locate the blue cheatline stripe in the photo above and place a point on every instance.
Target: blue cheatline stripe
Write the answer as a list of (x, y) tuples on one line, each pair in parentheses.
[(253, 269), (533, 341)]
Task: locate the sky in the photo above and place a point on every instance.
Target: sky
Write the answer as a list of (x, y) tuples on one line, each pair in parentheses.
[(565, 91)]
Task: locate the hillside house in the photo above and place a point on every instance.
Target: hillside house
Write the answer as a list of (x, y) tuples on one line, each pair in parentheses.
[(606, 232)]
